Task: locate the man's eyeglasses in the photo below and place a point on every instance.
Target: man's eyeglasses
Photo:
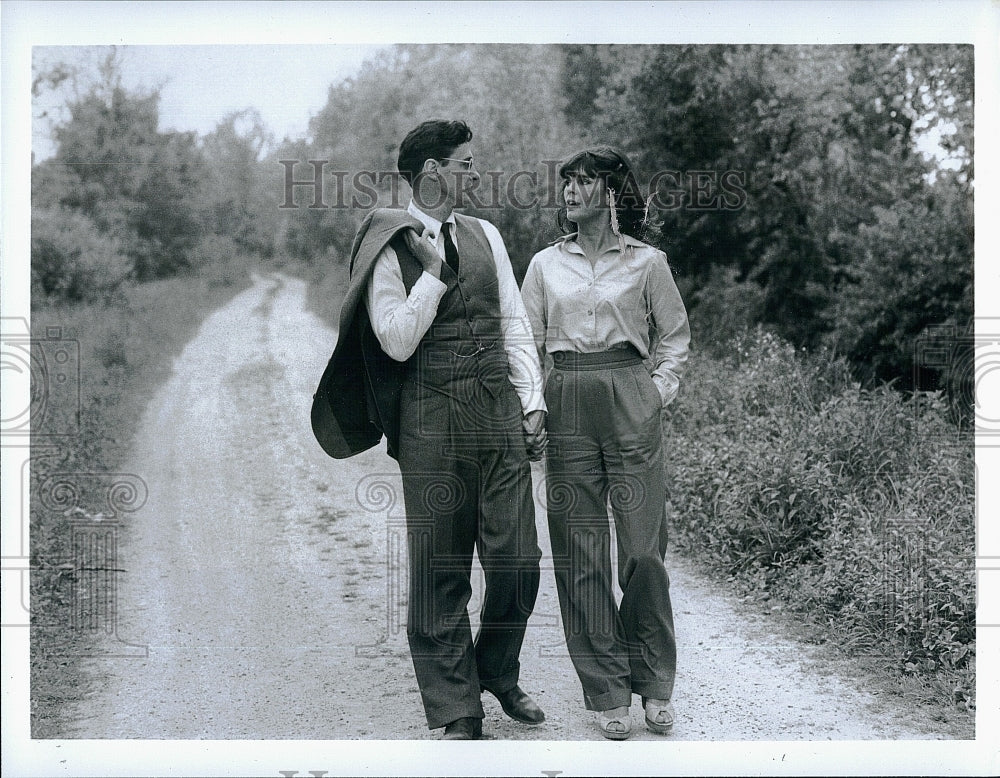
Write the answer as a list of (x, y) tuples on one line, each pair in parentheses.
[(465, 163)]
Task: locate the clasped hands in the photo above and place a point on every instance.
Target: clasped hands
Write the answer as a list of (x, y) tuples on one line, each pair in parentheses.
[(535, 436)]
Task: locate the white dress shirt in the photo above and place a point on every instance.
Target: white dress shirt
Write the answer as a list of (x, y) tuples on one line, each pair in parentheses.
[(584, 305), (400, 321)]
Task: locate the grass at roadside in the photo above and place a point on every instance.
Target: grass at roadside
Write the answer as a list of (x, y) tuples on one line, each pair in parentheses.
[(851, 508), (125, 351)]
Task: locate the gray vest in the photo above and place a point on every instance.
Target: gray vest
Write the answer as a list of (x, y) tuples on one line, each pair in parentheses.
[(465, 341)]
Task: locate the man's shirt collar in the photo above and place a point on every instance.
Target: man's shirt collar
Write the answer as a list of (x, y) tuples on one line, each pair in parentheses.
[(432, 224)]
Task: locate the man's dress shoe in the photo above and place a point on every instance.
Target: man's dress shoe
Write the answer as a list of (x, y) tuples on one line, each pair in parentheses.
[(519, 706), (467, 728)]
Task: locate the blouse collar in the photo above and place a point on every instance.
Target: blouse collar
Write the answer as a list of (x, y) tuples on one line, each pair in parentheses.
[(568, 242)]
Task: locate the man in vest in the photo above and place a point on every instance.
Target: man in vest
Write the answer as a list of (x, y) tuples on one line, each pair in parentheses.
[(434, 329)]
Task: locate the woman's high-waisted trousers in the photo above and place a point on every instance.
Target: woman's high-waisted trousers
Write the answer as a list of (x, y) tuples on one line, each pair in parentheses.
[(605, 446)]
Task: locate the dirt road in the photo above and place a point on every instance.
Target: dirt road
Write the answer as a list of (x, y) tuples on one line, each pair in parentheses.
[(268, 583)]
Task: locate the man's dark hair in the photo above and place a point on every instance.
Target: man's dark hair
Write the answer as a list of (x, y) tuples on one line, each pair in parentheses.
[(432, 139)]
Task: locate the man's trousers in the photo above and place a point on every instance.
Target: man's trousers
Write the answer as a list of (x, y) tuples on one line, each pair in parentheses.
[(605, 445), (466, 485)]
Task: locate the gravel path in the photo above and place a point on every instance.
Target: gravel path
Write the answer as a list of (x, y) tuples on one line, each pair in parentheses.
[(267, 582)]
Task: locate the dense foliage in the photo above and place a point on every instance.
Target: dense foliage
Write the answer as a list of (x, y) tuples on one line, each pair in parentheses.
[(509, 95), (856, 505), (791, 182), (121, 201), (846, 236)]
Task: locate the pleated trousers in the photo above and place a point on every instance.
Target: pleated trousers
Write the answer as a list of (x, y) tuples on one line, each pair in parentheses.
[(606, 447), (466, 485)]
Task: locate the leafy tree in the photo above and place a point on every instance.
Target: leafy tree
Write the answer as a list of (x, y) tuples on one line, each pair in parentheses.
[(913, 270), (366, 117), (238, 182), (71, 259), (824, 141), (907, 267), (132, 181)]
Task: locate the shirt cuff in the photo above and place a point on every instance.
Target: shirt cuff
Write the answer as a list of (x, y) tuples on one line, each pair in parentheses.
[(429, 286), (668, 383), (532, 401)]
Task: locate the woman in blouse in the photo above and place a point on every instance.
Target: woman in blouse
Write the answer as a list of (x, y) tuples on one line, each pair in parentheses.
[(602, 304)]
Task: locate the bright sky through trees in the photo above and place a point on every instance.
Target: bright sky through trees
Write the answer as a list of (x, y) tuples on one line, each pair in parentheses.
[(202, 84)]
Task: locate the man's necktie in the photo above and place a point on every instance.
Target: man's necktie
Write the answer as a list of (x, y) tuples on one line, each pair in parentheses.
[(450, 251)]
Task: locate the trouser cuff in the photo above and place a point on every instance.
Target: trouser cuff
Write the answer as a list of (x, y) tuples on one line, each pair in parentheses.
[(656, 691), (441, 717), (500, 684), (616, 698)]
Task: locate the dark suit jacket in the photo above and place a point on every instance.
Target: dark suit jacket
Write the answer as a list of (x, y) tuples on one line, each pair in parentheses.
[(358, 396)]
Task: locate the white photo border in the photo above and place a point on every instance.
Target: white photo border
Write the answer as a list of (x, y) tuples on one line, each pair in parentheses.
[(28, 24)]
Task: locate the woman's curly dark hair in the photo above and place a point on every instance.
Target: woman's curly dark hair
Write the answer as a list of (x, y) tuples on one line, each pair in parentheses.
[(613, 168)]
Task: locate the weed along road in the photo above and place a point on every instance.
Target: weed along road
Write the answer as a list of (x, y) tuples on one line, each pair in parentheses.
[(267, 584)]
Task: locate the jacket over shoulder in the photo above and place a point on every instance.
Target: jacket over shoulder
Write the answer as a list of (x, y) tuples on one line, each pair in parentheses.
[(357, 400)]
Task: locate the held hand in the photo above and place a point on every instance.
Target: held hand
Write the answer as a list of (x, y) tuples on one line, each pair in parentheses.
[(535, 436), (425, 253)]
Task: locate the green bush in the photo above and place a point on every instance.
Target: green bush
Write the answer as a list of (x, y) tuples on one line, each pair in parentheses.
[(221, 261), (855, 505), (723, 306), (72, 260)]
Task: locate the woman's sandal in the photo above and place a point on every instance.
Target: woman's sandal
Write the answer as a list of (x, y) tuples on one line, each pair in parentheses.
[(659, 715), (614, 726)]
